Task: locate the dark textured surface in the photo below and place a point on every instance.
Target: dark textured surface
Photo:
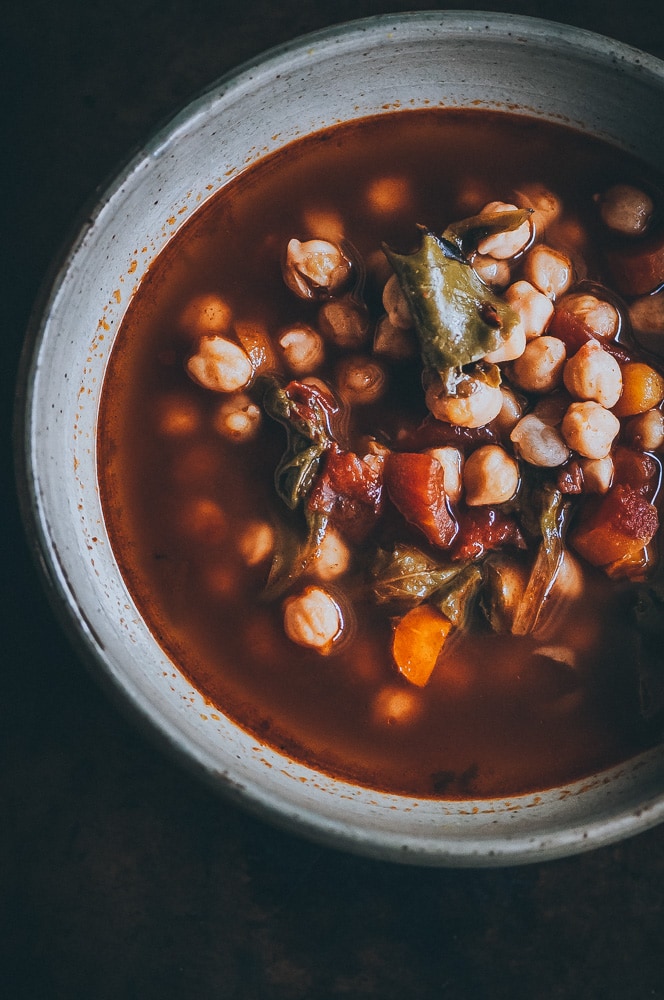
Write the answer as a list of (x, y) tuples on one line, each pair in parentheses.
[(119, 876)]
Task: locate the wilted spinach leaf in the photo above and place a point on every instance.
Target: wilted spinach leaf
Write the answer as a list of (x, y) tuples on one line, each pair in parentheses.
[(408, 575), (456, 598), (458, 319), (553, 507)]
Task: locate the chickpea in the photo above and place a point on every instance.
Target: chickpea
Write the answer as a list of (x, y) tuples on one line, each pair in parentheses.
[(313, 619), (590, 429), (316, 267), (625, 209), (387, 195), (490, 476), (396, 304), (344, 322), (325, 222), (256, 542), (203, 520), (360, 380), (511, 348), (540, 367), (504, 245), (552, 408), (394, 342), (237, 418), (646, 430), (600, 316), (206, 316), (533, 307), (597, 474), (177, 416), (495, 273), (475, 405), (569, 578), (302, 347), (451, 460), (333, 556), (548, 270), (395, 706), (545, 204), (220, 365), (256, 342), (511, 411), (647, 318), (593, 373), (538, 443)]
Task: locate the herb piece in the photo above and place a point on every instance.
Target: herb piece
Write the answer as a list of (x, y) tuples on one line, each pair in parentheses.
[(506, 579), (408, 575), (467, 233), (456, 599), (554, 508), (307, 415), (458, 319)]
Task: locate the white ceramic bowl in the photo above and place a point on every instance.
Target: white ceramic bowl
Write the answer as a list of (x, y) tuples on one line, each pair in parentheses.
[(457, 59)]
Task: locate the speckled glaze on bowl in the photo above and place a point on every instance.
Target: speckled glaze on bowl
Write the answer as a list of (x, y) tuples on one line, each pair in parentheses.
[(458, 59)]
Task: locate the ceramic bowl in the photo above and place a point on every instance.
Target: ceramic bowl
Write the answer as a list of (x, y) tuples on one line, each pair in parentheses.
[(367, 67)]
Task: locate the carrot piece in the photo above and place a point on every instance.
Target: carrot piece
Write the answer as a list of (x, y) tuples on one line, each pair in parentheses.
[(643, 388), (417, 641), (415, 486)]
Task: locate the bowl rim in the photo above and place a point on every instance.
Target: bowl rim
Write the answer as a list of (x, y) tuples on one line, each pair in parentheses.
[(428, 850)]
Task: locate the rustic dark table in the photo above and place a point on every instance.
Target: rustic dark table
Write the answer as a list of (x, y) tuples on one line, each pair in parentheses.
[(120, 877)]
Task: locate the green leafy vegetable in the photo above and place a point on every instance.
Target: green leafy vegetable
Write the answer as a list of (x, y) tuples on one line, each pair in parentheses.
[(554, 508), (467, 233), (457, 597), (307, 416), (409, 576), (458, 319)]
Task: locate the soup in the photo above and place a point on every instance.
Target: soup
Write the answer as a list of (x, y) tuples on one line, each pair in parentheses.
[(378, 452)]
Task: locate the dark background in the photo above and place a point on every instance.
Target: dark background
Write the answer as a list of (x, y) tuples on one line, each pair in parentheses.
[(120, 877)]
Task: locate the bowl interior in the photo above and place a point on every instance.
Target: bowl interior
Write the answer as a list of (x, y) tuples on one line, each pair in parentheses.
[(459, 60)]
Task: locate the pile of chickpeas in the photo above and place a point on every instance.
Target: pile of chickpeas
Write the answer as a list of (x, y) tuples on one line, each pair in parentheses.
[(550, 407)]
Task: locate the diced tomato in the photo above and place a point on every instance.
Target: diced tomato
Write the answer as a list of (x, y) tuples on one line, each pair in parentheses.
[(482, 529), (414, 483), (350, 491), (574, 333), (637, 268), (615, 528), (636, 470), (432, 433)]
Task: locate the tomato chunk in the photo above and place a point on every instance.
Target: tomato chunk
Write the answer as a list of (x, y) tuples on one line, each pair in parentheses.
[(616, 528), (350, 491), (414, 484)]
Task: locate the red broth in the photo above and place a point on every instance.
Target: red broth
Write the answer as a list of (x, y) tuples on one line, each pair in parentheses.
[(501, 714)]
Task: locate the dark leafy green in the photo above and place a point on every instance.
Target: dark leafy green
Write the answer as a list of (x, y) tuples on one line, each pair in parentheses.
[(466, 234), (456, 599), (306, 416), (307, 422), (407, 575), (554, 508), (458, 319)]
